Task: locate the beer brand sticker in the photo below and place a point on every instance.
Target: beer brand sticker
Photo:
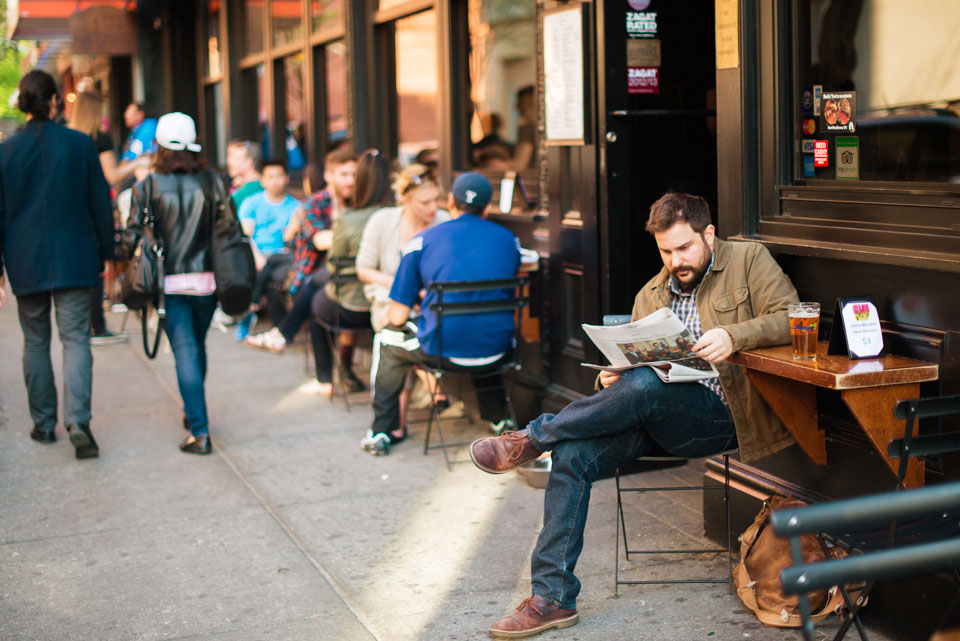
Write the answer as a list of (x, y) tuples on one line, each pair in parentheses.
[(838, 111), (643, 80), (861, 323), (641, 24), (809, 126), (848, 158), (821, 153)]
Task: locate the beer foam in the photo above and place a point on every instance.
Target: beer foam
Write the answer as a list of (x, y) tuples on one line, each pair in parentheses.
[(805, 315)]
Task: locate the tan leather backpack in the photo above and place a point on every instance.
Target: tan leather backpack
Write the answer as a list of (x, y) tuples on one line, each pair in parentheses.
[(757, 576)]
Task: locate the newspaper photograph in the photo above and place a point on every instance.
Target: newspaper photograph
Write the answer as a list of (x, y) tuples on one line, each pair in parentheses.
[(659, 340)]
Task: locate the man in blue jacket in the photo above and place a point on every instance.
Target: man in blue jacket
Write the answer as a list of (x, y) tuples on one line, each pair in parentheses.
[(466, 247), (56, 231)]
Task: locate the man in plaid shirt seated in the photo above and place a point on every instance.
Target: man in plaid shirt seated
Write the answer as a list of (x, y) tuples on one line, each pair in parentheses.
[(731, 296)]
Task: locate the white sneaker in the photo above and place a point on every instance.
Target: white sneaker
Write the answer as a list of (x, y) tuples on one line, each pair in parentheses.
[(376, 444), (313, 387), (272, 341)]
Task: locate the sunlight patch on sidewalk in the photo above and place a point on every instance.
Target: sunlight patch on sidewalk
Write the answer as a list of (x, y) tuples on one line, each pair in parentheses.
[(431, 554)]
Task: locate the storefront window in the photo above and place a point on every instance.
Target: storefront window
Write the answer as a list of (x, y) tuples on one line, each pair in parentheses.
[(386, 4), (253, 26), (326, 14), (336, 88), (878, 90), (417, 94), (503, 119), (295, 139), (254, 118), (216, 124), (286, 20), (212, 66)]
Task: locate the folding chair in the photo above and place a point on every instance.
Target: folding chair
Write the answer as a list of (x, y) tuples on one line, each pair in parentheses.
[(658, 461), (441, 308), (909, 530), (344, 271), (929, 514)]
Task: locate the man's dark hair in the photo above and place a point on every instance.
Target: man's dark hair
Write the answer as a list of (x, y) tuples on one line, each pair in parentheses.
[(178, 161), (339, 156), (275, 162), (373, 181), (467, 208), (675, 208), (251, 149), (36, 90)]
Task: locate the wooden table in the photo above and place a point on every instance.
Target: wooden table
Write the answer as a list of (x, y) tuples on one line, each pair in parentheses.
[(870, 388)]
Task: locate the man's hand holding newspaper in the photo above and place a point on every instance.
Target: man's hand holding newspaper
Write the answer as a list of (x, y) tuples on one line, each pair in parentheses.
[(659, 341)]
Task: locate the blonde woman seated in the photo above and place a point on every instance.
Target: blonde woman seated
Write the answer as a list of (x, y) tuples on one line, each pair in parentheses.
[(387, 232)]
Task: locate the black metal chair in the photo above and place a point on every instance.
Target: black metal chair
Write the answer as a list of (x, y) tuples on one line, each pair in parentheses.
[(659, 460), (344, 271), (441, 308), (900, 534)]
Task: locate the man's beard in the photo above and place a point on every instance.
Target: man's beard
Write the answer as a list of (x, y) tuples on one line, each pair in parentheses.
[(697, 270)]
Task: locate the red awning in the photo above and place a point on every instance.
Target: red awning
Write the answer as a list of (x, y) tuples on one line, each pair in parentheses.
[(50, 19)]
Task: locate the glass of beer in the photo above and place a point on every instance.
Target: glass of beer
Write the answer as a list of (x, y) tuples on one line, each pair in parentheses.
[(804, 323)]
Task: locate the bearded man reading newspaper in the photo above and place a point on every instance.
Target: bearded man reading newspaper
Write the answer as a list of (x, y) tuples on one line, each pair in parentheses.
[(731, 296)]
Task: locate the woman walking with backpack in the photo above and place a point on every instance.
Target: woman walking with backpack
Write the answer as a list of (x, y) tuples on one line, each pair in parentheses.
[(185, 200)]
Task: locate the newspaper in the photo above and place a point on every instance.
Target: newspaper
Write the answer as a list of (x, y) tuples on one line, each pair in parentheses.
[(659, 341)]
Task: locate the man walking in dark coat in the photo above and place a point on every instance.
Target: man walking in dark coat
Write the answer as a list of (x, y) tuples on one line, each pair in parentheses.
[(56, 231)]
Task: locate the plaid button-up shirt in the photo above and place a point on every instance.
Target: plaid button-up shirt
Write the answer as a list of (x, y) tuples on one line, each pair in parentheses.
[(684, 305)]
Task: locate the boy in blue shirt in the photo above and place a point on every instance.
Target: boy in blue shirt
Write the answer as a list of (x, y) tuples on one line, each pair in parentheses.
[(264, 217), (467, 247)]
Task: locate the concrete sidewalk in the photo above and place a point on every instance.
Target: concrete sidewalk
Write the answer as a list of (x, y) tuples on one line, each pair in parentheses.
[(290, 530)]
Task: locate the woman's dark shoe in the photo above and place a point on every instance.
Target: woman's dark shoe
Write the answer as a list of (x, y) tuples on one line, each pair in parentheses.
[(398, 436), (43, 436), (443, 404), (82, 440), (197, 444)]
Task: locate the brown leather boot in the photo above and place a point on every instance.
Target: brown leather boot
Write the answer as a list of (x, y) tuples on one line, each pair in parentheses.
[(499, 454), (534, 615)]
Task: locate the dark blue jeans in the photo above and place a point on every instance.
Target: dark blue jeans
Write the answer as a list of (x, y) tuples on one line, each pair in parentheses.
[(188, 319), (593, 436)]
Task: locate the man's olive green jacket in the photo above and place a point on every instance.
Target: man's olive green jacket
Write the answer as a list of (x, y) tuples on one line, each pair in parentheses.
[(745, 293)]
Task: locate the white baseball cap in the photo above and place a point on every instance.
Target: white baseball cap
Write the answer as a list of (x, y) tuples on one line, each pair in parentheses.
[(176, 131)]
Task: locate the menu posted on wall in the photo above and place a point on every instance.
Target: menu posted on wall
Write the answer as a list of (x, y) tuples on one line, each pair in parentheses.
[(728, 34), (563, 76)]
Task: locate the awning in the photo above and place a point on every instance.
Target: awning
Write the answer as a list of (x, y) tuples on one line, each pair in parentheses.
[(50, 19)]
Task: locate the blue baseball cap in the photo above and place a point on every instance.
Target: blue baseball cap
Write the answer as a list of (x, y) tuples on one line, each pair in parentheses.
[(472, 189)]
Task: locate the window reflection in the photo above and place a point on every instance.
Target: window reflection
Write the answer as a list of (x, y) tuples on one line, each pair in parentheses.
[(212, 63), (503, 119), (900, 60), (416, 46), (336, 78), (286, 20), (253, 26), (293, 111), (325, 14)]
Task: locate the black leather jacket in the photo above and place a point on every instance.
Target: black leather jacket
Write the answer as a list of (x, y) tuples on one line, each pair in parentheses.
[(185, 208)]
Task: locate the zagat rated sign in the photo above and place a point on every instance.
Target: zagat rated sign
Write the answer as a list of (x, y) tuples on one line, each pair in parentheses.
[(641, 24), (643, 80)]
